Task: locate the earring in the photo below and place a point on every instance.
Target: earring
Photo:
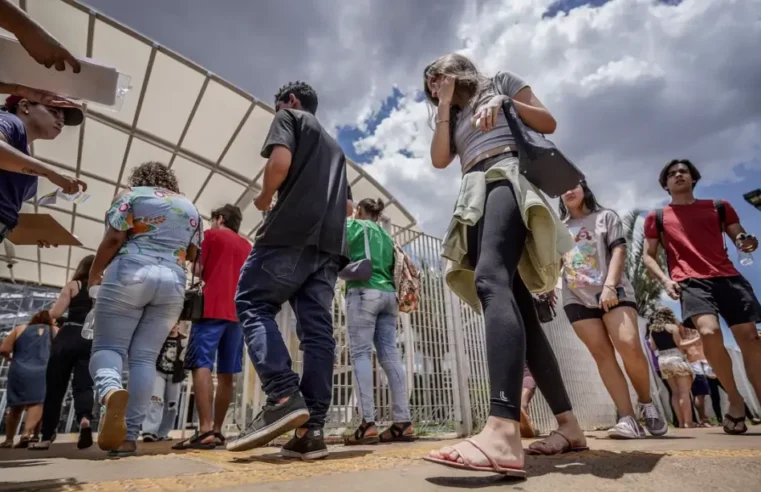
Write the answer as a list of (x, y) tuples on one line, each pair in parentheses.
[(26, 111)]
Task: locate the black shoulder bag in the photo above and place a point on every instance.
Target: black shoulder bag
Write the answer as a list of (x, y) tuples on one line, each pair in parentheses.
[(192, 309), (540, 161)]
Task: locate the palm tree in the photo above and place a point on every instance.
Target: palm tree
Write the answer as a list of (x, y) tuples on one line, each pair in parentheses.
[(647, 290)]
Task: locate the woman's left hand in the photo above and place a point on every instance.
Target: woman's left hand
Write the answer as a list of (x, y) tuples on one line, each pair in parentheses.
[(486, 116), (608, 298)]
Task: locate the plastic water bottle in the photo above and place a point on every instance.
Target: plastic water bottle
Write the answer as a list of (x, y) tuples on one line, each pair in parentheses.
[(745, 259), (87, 326)]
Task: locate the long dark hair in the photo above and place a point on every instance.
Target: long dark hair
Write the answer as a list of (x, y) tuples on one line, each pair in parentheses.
[(590, 202), (82, 272), (469, 84)]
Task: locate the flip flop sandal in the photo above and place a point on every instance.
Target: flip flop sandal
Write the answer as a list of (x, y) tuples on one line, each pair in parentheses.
[(113, 427), (85, 438), (568, 447), (493, 468), (6, 444), (359, 437), (734, 422), (219, 439), (396, 433), (196, 442), (23, 443)]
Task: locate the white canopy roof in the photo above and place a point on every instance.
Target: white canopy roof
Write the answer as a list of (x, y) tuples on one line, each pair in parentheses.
[(209, 131)]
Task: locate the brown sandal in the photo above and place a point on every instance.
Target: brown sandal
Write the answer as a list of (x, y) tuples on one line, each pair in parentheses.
[(396, 433), (568, 447), (359, 436)]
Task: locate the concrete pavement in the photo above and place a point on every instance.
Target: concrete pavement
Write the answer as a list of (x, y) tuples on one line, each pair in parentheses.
[(696, 460)]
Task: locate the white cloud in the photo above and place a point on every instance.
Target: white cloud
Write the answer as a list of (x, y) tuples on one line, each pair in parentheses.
[(632, 83)]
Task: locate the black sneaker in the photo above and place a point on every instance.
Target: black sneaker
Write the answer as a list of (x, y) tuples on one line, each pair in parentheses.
[(271, 422), (310, 446)]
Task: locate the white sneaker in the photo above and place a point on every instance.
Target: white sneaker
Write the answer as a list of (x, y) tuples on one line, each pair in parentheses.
[(655, 423), (627, 428)]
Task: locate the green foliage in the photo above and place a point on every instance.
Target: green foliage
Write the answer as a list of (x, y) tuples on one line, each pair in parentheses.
[(647, 290)]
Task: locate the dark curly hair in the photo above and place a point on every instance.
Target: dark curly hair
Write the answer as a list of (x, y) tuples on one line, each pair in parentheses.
[(303, 92), (661, 317), (154, 174)]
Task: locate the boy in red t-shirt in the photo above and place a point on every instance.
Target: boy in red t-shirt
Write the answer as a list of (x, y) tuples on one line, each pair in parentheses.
[(703, 277), (218, 336)]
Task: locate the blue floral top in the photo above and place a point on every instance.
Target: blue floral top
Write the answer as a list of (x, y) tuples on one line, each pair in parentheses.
[(158, 222)]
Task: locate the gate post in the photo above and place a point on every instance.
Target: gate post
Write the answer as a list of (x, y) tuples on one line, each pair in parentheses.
[(463, 412)]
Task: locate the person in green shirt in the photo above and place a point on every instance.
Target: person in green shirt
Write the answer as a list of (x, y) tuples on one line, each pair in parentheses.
[(372, 311)]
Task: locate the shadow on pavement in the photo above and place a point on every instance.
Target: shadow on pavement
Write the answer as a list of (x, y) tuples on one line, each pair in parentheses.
[(649, 438), (42, 485), (69, 451), (276, 459), (601, 464)]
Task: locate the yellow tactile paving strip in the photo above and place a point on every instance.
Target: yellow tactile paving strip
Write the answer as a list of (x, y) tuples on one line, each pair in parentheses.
[(267, 467)]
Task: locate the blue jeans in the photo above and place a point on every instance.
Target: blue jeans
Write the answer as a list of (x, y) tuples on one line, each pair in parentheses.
[(163, 409), (371, 316), (305, 277), (138, 303)]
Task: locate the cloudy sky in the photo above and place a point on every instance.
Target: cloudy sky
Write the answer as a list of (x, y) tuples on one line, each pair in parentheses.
[(632, 83)]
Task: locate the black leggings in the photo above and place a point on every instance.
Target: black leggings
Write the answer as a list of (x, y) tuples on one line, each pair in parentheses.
[(69, 353), (513, 332)]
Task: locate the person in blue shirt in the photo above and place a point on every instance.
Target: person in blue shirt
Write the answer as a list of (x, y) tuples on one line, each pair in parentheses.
[(21, 123)]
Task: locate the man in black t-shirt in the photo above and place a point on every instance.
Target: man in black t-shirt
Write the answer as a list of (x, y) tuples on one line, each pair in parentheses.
[(296, 258)]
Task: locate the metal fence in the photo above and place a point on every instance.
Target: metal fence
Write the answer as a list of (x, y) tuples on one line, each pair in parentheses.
[(443, 349)]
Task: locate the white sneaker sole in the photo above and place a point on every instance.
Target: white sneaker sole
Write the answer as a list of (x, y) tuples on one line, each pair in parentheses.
[(623, 437), (265, 435), (314, 455)]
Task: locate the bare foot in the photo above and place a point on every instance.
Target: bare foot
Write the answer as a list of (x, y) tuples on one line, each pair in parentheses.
[(500, 439)]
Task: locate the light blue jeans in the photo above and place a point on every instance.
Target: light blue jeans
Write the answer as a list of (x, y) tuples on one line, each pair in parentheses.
[(163, 409), (371, 318), (138, 303)]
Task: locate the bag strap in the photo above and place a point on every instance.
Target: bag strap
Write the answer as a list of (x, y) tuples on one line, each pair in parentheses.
[(198, 254), (367, 243), (722, 211), (661, 234)]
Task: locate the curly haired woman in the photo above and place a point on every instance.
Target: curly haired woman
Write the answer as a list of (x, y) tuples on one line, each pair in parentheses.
[(140, 267)]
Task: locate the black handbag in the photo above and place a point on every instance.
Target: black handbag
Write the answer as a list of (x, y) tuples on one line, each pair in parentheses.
[(359, 270), (539, 160), (544, 309), (192, 308)]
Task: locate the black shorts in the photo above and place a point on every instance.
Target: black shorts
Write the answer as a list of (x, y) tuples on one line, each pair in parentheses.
[(732, 298), (577, 312), (700, 385)]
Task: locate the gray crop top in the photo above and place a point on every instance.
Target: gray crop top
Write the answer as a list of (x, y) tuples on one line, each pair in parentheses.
[(469, 141)]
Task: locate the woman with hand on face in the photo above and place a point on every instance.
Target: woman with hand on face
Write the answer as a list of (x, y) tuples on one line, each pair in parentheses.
[(599, 302), (469, 123)]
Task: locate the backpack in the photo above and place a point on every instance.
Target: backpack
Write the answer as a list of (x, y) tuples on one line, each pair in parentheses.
[(406, 280), (718, 204)]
